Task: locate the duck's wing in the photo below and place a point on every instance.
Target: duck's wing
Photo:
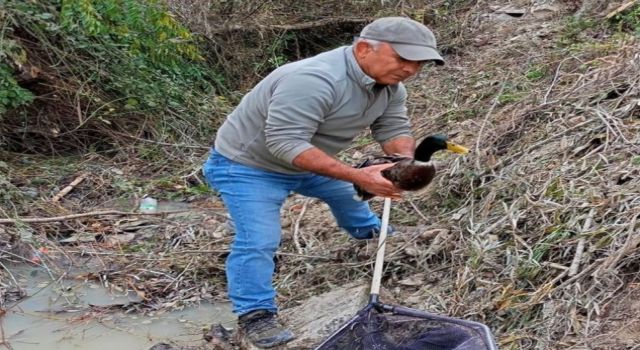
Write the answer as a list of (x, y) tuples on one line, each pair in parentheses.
[(379, 160)]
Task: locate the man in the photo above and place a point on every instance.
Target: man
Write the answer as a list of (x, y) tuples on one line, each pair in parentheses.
[(282, 137)]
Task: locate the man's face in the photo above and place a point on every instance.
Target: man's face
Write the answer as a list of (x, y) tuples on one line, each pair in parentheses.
[(384, 65)]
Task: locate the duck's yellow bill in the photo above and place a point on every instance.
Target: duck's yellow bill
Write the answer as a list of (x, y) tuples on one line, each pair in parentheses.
[(457, 148)]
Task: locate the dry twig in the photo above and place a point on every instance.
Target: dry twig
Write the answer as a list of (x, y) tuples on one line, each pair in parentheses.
[(70, 187)]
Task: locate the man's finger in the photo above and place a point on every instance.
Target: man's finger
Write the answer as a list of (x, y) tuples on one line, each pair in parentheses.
[(384, 166)]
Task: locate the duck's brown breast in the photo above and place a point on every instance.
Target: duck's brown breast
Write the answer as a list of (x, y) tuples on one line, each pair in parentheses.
[(410, 177)]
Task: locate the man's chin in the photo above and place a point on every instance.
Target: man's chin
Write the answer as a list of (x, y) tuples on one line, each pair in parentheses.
[(390, 81)]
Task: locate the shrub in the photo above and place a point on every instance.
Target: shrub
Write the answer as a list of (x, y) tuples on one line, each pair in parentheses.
[(111, 65)]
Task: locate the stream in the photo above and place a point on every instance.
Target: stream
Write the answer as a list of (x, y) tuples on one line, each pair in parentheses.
[(74, 314)]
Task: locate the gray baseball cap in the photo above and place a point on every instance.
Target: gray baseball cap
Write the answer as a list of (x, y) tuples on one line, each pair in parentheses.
[(410, 39)]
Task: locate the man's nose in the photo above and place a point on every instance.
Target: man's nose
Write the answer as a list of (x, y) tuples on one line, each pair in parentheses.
[(412, 67)]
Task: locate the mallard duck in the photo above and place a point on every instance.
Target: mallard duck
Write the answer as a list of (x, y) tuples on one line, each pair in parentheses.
[(411, 174)]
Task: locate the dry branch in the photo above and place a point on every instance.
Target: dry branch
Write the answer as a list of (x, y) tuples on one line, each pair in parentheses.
[(285, 27), (577, 258), (83, 215), (621, 9), (70, 187), (296, 226)]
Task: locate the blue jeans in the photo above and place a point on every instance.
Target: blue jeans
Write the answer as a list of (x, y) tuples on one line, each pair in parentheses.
[(253, 198)]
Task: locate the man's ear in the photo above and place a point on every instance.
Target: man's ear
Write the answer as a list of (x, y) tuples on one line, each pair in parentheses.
[(362, 49)]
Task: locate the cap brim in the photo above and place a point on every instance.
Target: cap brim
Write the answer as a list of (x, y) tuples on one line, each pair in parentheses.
[(417, 53)]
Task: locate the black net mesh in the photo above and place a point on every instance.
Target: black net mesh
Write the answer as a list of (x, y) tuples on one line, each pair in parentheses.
[(408, 329)]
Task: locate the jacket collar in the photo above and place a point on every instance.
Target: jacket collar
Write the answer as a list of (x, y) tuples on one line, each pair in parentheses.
[(355, 72)]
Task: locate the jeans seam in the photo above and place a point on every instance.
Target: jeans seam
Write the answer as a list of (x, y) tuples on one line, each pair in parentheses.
[(240, 278)]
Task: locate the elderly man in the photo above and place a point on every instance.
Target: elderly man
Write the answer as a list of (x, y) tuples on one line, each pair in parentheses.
[(283, 136)]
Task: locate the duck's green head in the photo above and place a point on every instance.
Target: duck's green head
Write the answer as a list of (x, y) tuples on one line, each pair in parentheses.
[(434, 143)]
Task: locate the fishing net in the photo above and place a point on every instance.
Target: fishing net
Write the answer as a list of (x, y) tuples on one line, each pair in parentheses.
[(380, 326), (385, 327)]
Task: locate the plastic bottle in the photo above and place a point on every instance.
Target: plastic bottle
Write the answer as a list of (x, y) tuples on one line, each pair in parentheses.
[(148, 205)]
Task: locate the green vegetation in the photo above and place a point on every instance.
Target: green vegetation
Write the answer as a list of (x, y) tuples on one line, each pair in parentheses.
[(555, 191), (627, 21), (513, 92), (573, 31), (364, 140), (172, 188), (116, 61), (275, 53), (11, 94), (531, 267), (576, 32), (507, 97), (535, 73), (152, 60)]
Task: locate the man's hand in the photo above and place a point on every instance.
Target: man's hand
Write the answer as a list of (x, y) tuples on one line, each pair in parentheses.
[(371, 180)]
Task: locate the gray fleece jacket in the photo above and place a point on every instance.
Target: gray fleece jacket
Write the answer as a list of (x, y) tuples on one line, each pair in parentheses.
[(324, 101)]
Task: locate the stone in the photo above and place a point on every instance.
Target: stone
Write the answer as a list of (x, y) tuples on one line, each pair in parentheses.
[(321, 315)]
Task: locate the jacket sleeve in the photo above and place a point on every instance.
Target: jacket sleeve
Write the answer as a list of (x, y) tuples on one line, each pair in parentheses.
[(298, 104), (394, 121)]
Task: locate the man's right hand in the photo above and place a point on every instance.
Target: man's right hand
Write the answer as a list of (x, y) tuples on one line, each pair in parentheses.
[(371, 180), (368, 178)]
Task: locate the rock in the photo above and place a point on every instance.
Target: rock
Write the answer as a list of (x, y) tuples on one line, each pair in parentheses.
[(312, 322), (30, 192), (319, 316), (117, 240), (510, 10), (219, 337), (544, 11)]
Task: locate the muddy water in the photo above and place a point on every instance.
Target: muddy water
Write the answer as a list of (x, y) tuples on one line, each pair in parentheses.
[(58, 315)]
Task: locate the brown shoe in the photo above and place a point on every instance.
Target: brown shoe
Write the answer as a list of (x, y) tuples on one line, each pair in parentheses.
[(263, 330)]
